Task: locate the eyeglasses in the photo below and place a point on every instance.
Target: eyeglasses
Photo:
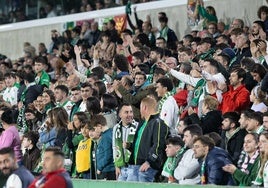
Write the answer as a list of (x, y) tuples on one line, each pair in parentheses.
[(197, 146)]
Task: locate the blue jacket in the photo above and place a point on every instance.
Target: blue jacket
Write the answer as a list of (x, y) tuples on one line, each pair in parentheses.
[(215, 160), (104, 154)]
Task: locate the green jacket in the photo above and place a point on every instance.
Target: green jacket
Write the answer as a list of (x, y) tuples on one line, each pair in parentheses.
[(243, 179)]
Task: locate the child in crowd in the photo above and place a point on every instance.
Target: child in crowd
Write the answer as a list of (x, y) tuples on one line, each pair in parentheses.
[(32, 153), (83, 153), (104, 154)]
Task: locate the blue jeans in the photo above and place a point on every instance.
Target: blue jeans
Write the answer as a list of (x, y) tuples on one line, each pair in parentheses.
[(123, 174), (134, 174)]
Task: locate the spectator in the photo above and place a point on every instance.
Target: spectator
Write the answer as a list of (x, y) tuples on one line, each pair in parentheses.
[(237, 98), (109, 105), (211, 166), (167, 107), (83, 154), (76, 98), (74, 136), (42, 78), (54, 173), (49, 10), (212, 118), (94, 34), (120, 64), (104, 156), (263, 16), (18, 176), (232, 135), (31, 91), (265, 121), (255, 123), (167, 33), (10, 136), (258, 98), (48, 100), (61, 96), (11, 91), (263, 145), (174, 150), (32, 153), (86, 92), (187, 171), (93, 106), (148, 157), (208, 13), (111, 25), (249, 170), (105, 47), (123, 136)]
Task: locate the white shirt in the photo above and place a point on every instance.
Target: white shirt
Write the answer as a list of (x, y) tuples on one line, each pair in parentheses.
[(13, 181), (187, 171), (169, 113)]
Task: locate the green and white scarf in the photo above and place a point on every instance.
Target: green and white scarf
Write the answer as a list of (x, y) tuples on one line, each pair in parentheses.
[(164, 98), (172, 162), (123, 155)]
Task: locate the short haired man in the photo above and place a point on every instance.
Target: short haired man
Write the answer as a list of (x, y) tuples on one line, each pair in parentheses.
[(265, 121), (86, 91), (211, 160), (255, 123), (76, 99), (42, 78), (232, 135), (54, 174), (137, 58), (61, 96), (174, 150), (148, 151), (10, 93), (32, 153), (171, 62), (123, 134), (187, 171), (18, 177), (167, 107), (121, 66), (237, 98)]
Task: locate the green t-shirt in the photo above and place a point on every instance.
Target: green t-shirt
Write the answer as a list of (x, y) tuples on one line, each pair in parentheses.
[(137, 143)]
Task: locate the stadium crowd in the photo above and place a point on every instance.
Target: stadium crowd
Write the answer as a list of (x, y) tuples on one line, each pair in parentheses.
[(140, 105), (19, 10)]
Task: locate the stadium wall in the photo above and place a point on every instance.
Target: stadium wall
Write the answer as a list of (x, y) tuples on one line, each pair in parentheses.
[(12, 36), (113, 184)]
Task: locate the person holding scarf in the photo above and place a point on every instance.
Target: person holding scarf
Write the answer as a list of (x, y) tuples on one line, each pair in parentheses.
[(123, 135), (250, 165), (174, 150)]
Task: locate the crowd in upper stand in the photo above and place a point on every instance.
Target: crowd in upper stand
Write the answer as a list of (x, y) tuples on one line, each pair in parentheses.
[(18, 10), (140, 105)]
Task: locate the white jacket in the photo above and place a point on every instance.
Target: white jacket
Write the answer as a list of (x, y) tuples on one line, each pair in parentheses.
[(187, 171)]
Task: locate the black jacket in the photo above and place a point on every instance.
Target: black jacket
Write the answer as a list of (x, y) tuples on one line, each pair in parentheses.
[(234, 145), (152, 144), (211, 122)]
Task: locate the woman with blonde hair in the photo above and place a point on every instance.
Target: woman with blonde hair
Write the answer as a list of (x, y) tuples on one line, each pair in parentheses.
[(259, 99)]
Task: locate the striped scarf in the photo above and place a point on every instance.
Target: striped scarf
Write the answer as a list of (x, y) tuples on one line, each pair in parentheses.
[(171, 164), (164, 98), (247, 161)]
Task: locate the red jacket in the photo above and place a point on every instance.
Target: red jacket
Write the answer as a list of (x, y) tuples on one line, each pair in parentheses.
[(235, 100), (52, 179)]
